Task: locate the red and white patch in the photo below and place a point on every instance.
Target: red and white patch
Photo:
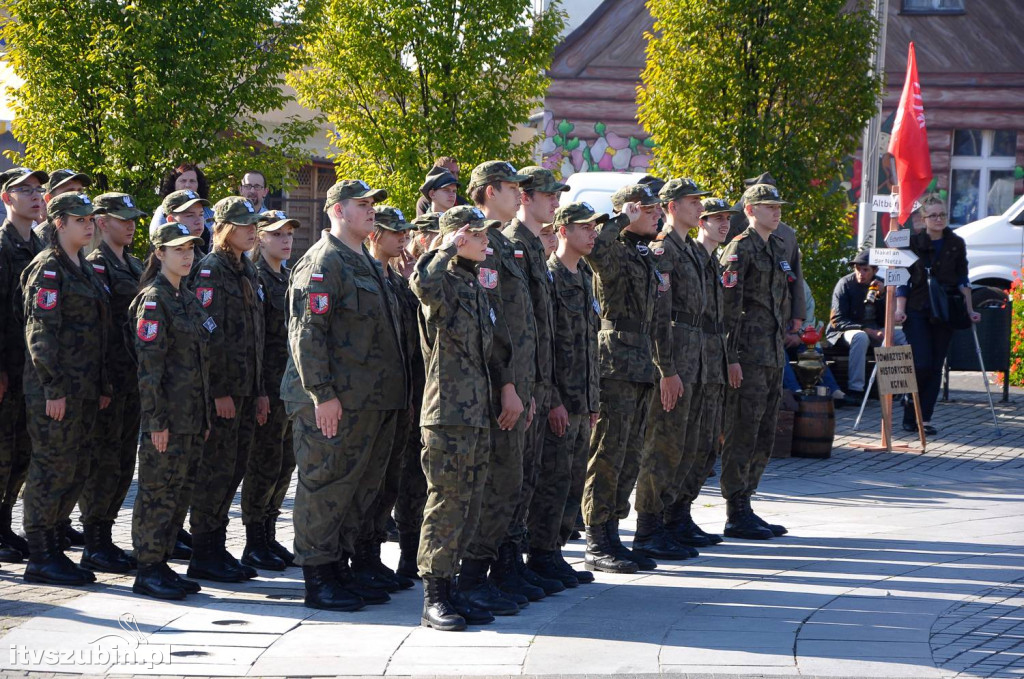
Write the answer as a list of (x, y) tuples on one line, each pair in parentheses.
[(204, 273), (664, 282), (147, 330), (205, 296), (99, 268), (732, 258), (730, 279), (319, 302), (46, 298), (49, 274), (488, 278), (489, 251), (150, 305), (316, 277), (518, 254)]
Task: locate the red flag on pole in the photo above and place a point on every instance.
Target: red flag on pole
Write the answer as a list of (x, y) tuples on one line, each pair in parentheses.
[(909, 142)]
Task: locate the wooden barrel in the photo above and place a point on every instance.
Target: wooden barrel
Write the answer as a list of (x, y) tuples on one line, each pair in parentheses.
[(814, 428)]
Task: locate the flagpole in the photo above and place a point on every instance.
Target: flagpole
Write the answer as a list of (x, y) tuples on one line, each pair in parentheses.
[(866, 220)]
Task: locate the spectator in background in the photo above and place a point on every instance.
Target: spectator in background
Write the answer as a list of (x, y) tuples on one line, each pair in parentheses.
[(185, 177), (795, 346), (254, 189)]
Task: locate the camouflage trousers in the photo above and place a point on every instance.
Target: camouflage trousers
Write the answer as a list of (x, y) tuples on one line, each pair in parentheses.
[(60, 459), (412, 484), (501, 492), (615, 448), (533, 450), (704, 440), (112, 462), (455, 463), (751, 415), (271, 464), (15, 443), (165, 489), (563, 469), (666, 457), (374, 529), (338, 479), (222, 466)]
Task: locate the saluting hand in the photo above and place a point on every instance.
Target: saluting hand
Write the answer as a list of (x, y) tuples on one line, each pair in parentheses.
[(56, 407), (631, 210), (328, 414), (262, 409), (735, 375), (225, 406), (160, 439), (458, 237)]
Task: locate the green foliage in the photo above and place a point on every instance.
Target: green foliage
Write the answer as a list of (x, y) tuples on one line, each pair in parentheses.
[(739, 87), (124, 90), (405, 81)]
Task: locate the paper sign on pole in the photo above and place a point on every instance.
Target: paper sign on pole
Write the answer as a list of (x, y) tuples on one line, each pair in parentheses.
[(884, 202), (895, 370), (897, 276), (898, 239), (891, 257)]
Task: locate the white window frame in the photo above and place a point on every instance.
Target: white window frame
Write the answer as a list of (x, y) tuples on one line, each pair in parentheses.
[(986, 163)]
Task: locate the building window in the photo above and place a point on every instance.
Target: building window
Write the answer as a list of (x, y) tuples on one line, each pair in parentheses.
[(981, 174), (932, 7)]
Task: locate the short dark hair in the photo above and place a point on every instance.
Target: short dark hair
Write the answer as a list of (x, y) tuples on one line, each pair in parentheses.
[(262, 176), (441, 161), (479, 194)]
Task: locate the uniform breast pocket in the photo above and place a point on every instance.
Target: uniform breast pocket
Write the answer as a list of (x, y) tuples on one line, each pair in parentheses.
[(80, 307), (573, 300), (367, 300)]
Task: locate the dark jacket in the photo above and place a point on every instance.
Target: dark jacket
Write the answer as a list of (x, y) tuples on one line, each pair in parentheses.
[(848, 307), (529, 252), (275, 324), (576, 320), (949, 268), (122, 281), (15, 255)]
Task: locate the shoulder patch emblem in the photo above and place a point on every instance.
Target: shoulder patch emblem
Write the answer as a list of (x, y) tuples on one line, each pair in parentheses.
[(147, 330), (210, 324), (730, 279), (319, 302), (642, 249), (46, 298), (49, 274), (99, 268), (150, 304), (518, 254), (732, 258), (488, 278), (204, 273), (316, 277), (664, 282), (489, 251), (205, 296)]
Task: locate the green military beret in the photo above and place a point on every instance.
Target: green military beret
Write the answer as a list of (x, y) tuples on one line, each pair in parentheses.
[(542, 179), (577, 213), (634, 193), (716, 206), (391, 218), (235, 210), (463, 215), (60, 177), (120, 205), (179, 201), (19, 175), (495, 171), (762, 194), (347, 189), (173, 234), (77, 204), (680, 188), (428, 221), (272, 220)]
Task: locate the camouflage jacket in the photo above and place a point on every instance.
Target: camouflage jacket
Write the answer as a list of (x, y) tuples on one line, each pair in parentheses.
[(408, 311), (576, 320), (122, 280), (275, 324), (529, 253), (15, 255), (714, 368), (456, 327), (678, 338), (233, 296), (172, 341), (67, 317), (514, 356), (343, 332), (626, 288), (756, 282)]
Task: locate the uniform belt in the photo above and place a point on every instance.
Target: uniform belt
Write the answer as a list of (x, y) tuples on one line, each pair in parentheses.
[(688, 319), (625, 325), (714, 328)]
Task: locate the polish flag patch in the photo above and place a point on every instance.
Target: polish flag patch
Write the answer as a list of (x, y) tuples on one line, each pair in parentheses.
[(204, 273), (49, 274), (319, 302), (150, 305), (46, 298), (99, 268), (316, 277), (518, 254), (205, 296), (147, 330)]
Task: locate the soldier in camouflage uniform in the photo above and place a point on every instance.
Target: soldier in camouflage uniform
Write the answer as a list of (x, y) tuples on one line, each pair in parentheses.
[(345, 386), (456, 327), (269, 470), (626, 288), (171, 339), (708, 400), (112, 465), (187, 208), (22, 196), (60, 181), (228, 289), (677, 350), (67, 314), (756, 282)]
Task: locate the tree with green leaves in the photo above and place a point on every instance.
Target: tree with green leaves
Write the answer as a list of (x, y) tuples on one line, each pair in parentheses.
[(125, 91), (405, 81), (735, 88)]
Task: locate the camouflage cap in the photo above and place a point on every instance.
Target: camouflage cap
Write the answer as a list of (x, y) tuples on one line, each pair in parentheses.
[(235, 210), (77, 204), (438, 178), (716, 206), (680, 188), (428, 221), (463, 215), (60, 177), (120, 205), (638, 193), (172, 234), (179, 201), (272, 220), (542, 179), (578, 213), (495, 171), (762, 194), (347, 189), (654, 182), (390, 218), (18, 175)]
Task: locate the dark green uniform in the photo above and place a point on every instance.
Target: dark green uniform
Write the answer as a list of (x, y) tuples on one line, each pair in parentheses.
[(172, 336), (112, 465), (343, 342), (456, 327)]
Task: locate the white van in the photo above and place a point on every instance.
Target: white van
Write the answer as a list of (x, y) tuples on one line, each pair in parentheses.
[(995, 246), (597, 188)]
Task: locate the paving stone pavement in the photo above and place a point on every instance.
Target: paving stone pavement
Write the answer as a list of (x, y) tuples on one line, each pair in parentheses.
[(897, 565)]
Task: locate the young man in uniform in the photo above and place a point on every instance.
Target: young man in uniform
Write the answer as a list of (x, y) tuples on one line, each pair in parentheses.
[(440, 188), (344, 387), (60, 181), (756, 281)]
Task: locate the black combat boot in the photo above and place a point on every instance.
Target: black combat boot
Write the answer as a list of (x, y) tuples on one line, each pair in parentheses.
[(222, 541), (190, 586), (438, 610), (208, 562), (652, 540), (257, 552), (276, 547), (474, 615), (100, 553), (48, 564), (74, 537), (474, 589), (682, 529), (13, 547), (583, 577), (542, 562), (365, 571), (550, 585), (506, 578), (643, 562), (380, 567), (600, 556), (408, 545), (152, 580), (324, 591), (348, 579), (740, 523), (776, 529)]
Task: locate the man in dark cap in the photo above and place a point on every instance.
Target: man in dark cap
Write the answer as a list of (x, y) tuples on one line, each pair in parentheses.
[(440, 188)]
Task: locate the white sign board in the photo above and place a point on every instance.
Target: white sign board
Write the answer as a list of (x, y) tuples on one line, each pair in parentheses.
[(891, 257), (897, 276), (898, 239), (884, 202)]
